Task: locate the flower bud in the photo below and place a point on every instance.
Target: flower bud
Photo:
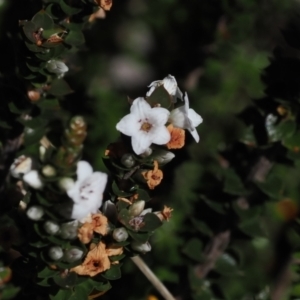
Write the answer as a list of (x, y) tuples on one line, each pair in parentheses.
[(48, 171), (136, 208), (35, 212), (51, 227), (57, 67), (163, 157), (21, 166), (146, 153), (42, 151), (34, 95), (32, 178), (109, 210), (73, 254), (66, 183), (128, 160), (55, 253), (141, 247), (120, 234), (68, 230)]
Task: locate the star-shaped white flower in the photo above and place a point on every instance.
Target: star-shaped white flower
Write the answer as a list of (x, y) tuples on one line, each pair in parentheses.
[(87, 191), (169, 83), (186, 118), (145, 125)]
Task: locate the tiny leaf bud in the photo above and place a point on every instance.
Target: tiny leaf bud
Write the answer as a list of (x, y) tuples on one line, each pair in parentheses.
[(120, 234), (128, 160), (48, 171), (57, 67), (35, 212), (73, 254), (55, 253), (69, 230), (51, 227)]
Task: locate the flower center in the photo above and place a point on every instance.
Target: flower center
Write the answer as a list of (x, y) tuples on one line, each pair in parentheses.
[(146, 126)]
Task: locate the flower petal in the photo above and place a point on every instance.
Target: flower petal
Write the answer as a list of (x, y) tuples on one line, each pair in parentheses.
[(158, 116), (178, 117), (160, 135), (140, 107), (195, 135), (152, 87), (194, 118), (170, 84), (129, 124), (140, 142), (84, 169), (33, 179)]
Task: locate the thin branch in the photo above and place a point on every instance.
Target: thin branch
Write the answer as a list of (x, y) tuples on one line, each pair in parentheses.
[(152, 278)]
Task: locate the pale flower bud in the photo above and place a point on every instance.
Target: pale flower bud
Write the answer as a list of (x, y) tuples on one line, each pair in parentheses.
[(42, 151), (57, 67), (69, 230), (73, 254), (32, 178), (55, 253), (51, 227), (141, 247), (163, 157), (147, 153), (136, 208), (120, 234), (21, 166), (66, 183), (128, 160), (35, 212), (109, 210), (48, 171)]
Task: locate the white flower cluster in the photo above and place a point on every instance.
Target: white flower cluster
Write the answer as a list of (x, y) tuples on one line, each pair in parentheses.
[(146, 124)]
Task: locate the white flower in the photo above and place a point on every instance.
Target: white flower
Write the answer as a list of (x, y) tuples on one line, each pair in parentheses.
[(51, 227), (186, 118), (170, 85), (20, 166), (87, 192), (57, 67), (32, 178), (145, 125), (55, 253)]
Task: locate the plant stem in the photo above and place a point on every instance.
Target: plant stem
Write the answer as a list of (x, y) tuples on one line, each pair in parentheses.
[(152, 278)]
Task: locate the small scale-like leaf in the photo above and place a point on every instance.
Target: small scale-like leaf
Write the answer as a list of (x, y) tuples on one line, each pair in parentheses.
[(59, 87)]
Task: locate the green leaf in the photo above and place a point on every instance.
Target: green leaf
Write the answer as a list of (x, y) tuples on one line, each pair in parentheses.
[(124, 217), (272, 187), (143, 195), (251, 227), (34, 136), (66, 280), (218, 207), (292, 141), (75, 38), (141, 237), (62, 295), (9, 292), (160, 96), (42, 20), (59, 87), (46, 273), (113, 273), (226, 265), (151, 221), (118, 192), (34, 47), (29, 28), (233, 184), (117, 257), (202, 227), (4, 125), (193, 249), (49, 32), (69, 10)]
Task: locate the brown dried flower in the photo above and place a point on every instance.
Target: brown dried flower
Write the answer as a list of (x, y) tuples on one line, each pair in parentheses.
[(177, 137), (153, 177)]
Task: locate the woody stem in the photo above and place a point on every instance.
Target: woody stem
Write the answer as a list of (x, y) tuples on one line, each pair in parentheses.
[(152, 278)]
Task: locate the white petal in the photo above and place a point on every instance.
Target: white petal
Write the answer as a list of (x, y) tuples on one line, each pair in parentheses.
[(129, 124), (178, 94), (33, 179), (73, 193), (160, 135), (158, 116), (178, 117), (80, 211), (195, 135), (186, 103), (170, 84), (140, 107), (194, 118), (84, 169), (152, 87), (141, 142)]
